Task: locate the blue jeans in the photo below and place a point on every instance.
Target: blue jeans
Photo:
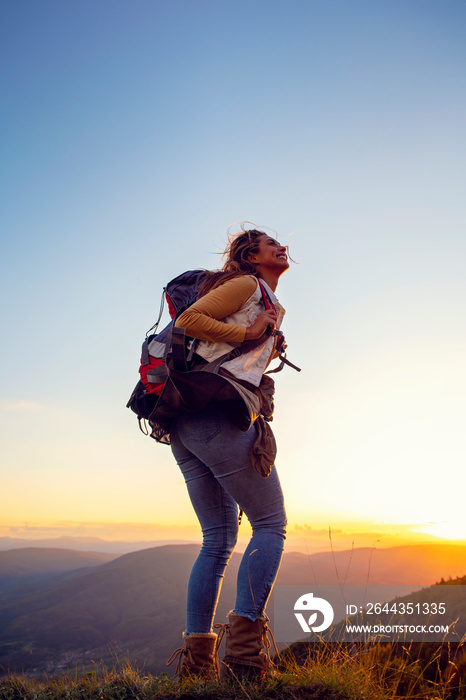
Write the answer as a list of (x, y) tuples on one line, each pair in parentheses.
[(213, 456)]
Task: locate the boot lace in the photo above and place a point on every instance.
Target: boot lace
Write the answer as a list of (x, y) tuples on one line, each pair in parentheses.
[(178, 655), (268, 640), (224, 629)]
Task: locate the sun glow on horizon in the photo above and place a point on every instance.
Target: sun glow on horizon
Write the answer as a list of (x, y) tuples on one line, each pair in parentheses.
[(446, 531), (300, 536)]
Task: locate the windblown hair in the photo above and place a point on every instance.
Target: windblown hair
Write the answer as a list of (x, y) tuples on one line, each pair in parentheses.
[(239, 248)]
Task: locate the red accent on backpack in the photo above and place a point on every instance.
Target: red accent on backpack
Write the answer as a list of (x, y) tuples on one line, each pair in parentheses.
[(171, 308), (151, 388)]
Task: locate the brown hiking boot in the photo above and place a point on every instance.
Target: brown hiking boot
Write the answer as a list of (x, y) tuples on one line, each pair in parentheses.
[(244, 657), (199, 654)]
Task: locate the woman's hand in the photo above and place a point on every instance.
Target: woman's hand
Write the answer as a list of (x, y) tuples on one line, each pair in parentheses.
[(265, 320)]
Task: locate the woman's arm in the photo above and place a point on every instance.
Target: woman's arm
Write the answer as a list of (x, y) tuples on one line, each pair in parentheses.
[(203, 319)]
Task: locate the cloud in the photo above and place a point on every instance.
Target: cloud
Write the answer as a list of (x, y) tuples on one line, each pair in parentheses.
[(105, 530), (20, 405)]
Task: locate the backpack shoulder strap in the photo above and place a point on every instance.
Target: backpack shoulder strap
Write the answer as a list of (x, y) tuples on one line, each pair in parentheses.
[(268, 303)]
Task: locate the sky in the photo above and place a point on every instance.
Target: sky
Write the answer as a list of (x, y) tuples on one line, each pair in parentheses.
[(134, 133)]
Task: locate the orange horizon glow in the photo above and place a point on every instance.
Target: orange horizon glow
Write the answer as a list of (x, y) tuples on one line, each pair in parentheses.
[(300, 537)]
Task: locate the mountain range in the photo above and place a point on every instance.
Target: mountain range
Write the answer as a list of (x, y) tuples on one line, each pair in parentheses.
[(62, 609), (85, 544), (31, 565)]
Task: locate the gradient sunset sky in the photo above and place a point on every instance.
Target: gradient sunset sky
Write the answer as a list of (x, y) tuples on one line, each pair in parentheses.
[(133, 134)]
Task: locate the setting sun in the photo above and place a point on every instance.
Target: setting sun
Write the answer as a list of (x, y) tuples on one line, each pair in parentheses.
[(454, 531)]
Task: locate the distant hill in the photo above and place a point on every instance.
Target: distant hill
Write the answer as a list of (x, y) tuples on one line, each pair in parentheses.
[(411, 564), (85, 544), (31, 565), (133, 607)]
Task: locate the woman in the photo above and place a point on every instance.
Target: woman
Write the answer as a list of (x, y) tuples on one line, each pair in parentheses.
[(214, 457)]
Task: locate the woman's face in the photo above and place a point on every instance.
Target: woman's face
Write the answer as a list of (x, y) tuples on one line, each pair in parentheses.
[(270, 254)]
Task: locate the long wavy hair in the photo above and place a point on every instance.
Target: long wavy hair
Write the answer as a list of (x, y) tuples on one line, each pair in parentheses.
[(240, 246)]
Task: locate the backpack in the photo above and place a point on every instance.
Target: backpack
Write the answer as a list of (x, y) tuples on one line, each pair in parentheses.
[(169, 355), (179, 294)]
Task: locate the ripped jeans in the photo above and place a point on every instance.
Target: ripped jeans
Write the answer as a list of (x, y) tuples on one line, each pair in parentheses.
[(213, 457)]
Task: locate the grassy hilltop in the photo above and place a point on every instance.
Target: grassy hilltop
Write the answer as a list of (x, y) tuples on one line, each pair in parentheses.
[(332, 672)]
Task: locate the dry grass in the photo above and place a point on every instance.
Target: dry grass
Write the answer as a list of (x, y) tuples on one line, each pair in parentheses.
[(317, 672)]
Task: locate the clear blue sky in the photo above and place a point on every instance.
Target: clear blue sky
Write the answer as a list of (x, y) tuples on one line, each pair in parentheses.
[(133, 134)]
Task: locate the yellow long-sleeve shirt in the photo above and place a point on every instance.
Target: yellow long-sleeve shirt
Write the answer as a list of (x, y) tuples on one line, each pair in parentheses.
[(203, 320)]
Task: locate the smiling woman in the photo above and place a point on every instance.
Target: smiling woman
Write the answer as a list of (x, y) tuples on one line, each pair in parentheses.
[(252, 252), (270, 259), (236, 305)]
